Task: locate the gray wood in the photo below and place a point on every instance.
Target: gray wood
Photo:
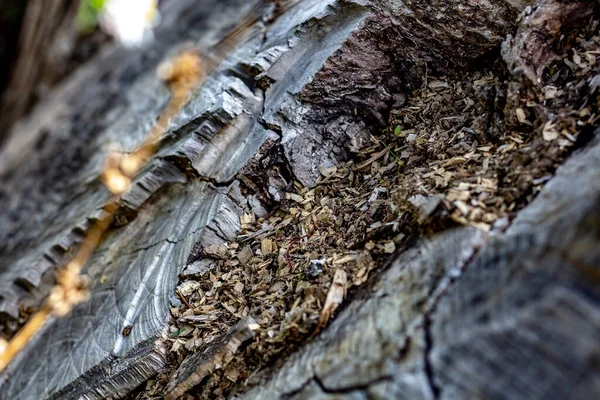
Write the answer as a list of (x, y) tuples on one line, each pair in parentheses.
[(513, 316), (215, 356), (113, 101), (316, 81), (526, 314)]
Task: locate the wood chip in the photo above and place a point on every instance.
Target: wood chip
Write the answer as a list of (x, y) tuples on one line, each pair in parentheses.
[(389, 247), (550, 133), (267, 246), (294, 197), (521, 116), (245, 255), (217, 251), (335, 297), (345, 259), (247, 219), (214, 357), (454, 161)]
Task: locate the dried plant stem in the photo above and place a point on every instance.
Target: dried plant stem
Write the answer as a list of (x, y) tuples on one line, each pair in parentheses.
[(19, 341), (71, 287)]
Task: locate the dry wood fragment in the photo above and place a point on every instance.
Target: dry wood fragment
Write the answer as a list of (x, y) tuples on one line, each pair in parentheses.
[(215, 356), (267, 246), (335, 297)]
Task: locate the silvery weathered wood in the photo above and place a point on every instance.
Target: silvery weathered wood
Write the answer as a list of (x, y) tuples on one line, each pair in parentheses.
[(524, 318), (111, 103), (316, 80)]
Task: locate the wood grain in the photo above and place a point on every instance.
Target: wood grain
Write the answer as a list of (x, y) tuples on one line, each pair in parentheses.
[(450, 317)]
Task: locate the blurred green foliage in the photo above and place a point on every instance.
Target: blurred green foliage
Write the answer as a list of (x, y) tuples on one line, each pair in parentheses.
[(87, 15)]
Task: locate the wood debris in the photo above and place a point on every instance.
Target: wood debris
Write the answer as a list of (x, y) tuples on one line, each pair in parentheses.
[(335, 297), (464, 150), (216, 355)]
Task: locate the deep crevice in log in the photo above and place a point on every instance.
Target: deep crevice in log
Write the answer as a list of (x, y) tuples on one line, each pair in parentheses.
[(325, 77)]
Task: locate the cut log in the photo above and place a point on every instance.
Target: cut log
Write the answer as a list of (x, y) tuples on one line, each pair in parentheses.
[(305, 88), (464, 316)]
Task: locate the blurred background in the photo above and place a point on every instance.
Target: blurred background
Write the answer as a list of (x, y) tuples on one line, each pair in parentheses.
[(11, 17), (42, 41)]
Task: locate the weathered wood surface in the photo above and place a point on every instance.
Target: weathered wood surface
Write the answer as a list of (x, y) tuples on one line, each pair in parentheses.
[(460, 316), (114, 101), (216, 355), (317, 80)]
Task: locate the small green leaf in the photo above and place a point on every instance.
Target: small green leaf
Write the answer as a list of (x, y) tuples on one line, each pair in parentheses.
[(398, 130), (177, 333)]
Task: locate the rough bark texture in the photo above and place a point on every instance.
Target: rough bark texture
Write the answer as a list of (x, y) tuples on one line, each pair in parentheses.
[(194, 369), (462, 315)]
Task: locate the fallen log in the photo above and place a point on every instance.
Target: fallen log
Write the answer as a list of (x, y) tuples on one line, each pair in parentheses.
[(308, 87)]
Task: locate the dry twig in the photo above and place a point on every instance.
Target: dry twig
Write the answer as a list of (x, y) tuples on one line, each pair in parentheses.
[(183, 73)]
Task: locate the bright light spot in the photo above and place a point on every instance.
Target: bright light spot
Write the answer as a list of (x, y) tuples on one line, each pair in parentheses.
[(129, 21)]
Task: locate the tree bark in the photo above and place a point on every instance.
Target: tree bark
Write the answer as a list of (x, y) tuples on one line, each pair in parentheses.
[(461, 315)]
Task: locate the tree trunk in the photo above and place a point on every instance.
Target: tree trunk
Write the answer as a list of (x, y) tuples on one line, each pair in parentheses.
[(464, 314)]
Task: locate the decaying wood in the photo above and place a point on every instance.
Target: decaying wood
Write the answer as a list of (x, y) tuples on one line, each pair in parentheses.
[(216, 355), (463, 315), (533, 48), (449, 318)]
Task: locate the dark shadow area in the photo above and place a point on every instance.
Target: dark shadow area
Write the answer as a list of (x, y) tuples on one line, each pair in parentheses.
[(11, 16)]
